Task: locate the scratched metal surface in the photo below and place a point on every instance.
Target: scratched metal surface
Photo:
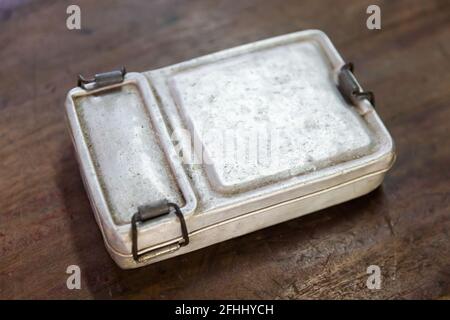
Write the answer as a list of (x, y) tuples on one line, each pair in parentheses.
[(46, 223), (287, 96), (124, 147), (318, 130)]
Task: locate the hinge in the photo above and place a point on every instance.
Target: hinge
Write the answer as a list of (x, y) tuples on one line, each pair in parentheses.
[(102, 79), (350, 88), (148, 212)]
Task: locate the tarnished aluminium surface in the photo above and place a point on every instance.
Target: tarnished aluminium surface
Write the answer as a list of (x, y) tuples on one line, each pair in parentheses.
[(130, 162), (282, 89), (293, 98)]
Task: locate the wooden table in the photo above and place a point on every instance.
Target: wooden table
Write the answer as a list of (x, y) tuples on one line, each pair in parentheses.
[(46, 223)]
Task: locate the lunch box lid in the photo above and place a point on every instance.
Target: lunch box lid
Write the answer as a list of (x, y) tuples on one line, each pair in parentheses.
[(124, 130)]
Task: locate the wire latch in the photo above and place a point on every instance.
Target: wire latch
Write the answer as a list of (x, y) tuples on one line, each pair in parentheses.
[(349, 87), (148, 212), (102, 79)]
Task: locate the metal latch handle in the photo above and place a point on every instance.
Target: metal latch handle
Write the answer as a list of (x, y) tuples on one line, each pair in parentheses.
[(350, 88), (102, 79), (151, 211)]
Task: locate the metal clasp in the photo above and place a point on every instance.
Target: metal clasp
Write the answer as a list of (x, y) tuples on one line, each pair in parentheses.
[(151, 211), (350, 88), (102, 79)]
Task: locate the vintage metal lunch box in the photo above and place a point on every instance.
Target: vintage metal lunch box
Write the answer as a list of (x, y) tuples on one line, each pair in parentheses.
[(189, 155)]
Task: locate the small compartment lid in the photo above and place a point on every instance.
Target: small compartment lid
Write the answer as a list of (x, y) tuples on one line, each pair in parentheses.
[(124, 146), (127, 158)]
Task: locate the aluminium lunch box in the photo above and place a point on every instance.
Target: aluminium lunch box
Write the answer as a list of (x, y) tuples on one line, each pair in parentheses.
[(165, 155)]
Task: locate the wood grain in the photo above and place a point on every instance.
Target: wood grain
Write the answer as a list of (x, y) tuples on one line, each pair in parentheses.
[(46, 223)]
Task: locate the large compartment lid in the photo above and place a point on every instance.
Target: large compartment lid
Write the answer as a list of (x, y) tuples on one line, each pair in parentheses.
[(268, 115), (283, 87)]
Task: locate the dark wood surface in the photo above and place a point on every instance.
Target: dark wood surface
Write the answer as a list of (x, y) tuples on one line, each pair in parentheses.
[(46, 221)]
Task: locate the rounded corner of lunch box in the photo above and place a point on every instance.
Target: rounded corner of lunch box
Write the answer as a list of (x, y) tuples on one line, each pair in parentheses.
[(388, 153), (116, 239), (122, 261), (69, 104), (73, 92), (69, 98), (317, 33), (391, 154), (385, 157)]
